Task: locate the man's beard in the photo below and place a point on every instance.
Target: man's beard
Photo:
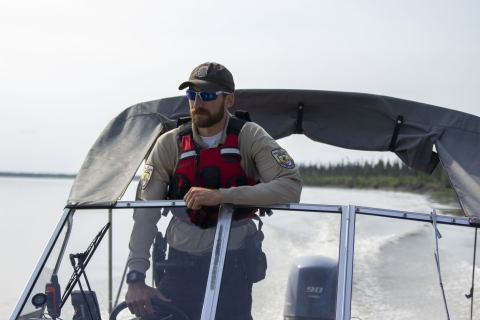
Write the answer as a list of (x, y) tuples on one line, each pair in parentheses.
[(210, 119)]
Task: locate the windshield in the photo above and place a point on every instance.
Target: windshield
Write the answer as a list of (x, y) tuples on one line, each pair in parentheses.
[(301, 247)]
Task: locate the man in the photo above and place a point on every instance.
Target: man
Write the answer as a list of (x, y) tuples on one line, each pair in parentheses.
[(173, 166)]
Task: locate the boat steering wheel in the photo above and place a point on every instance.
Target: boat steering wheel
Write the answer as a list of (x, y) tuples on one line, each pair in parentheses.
[(177, 313)]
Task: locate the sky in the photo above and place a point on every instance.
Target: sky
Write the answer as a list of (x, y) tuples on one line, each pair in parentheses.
[(68, 67)]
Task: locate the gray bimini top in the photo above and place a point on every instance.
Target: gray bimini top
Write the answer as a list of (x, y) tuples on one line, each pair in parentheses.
[(348, 120)]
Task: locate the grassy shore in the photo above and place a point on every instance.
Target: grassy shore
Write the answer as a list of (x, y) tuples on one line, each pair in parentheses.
[(380, 175)]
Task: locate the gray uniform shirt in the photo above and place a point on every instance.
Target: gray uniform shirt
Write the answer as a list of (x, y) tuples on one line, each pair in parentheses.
[(262, 159)]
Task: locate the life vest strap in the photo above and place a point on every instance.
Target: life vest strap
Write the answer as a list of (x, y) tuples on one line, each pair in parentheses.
[(183, 120), (188, 154), (230, 151), (235, 125), (185, 129)]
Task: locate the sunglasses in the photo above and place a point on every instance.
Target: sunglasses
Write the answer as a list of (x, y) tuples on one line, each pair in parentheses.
[(192, 94)]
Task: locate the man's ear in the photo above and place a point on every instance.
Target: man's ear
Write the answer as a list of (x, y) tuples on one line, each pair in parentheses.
[(229, 100)]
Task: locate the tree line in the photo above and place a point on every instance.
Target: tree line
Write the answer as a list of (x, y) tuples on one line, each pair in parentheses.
[(377, 175)]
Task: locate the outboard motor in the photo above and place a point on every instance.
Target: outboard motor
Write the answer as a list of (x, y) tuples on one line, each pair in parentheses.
[(311, 289)]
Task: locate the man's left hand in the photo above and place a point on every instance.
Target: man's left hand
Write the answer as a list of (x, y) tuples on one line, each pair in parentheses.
[(197, 197)]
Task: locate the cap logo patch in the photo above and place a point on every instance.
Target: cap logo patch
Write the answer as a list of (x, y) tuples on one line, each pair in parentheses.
[(147, 173), (283, 158), (202, 72)]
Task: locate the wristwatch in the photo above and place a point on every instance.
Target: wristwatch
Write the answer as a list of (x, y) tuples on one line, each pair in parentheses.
[(134, 276)]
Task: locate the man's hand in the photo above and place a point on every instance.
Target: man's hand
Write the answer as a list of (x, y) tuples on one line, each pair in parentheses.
[(138, 299), (197, 197)]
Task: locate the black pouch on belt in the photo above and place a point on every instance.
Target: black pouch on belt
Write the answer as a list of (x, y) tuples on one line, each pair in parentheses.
[(255, 258)]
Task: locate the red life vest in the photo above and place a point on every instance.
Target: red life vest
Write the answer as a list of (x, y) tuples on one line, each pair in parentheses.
[(211, 168)]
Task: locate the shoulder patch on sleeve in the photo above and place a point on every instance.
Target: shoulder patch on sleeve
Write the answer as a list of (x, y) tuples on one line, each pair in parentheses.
[(283, 158), (147, 173)]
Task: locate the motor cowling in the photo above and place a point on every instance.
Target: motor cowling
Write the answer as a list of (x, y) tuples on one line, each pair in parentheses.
[(311, 289)]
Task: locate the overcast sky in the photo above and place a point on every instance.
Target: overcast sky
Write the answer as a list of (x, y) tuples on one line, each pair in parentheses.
[(67, 68)]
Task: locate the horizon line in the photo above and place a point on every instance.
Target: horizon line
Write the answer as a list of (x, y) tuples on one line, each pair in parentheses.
[(43, 175)]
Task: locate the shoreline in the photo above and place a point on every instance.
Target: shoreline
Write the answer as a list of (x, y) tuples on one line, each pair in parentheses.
[(37, 175), (387, 188), (43, 175)]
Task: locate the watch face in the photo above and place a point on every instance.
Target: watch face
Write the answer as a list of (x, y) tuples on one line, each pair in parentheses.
[(134, 276)]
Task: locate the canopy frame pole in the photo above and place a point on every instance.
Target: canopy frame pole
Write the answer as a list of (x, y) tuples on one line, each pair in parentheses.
[(121, 283), (437, 258), (219, 250), (345, 263), (470, 295), (110, 266)]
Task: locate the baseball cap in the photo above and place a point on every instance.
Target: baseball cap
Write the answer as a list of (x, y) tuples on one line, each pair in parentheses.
[(210, 77)]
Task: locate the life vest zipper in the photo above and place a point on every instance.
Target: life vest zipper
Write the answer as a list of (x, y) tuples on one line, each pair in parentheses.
[(198, 220), (197, 168)]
